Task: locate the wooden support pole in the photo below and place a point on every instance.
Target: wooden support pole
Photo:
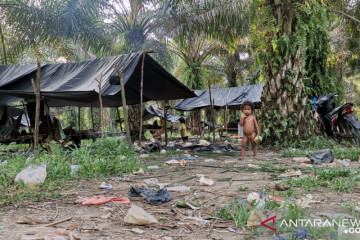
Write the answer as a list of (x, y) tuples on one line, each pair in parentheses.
[(92, 116), (213, 119), (3, 45), (101, 106), (226, 123), (27, 117), (79, 111), (141, 97), (211, 113), (165, 116), (123, 100), (118, 112), (37, 97)]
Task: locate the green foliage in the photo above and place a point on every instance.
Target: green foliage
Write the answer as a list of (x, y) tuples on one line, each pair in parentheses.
[(103, 158), (236, 211)]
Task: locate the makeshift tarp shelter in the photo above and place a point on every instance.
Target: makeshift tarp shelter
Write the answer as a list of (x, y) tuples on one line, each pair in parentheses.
[(230, 97), (74, 84), (11, 119), (152, 112)]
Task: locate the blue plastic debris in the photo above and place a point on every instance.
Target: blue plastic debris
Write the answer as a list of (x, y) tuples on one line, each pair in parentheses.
[(301, 234), (280, 238), (185, 158)]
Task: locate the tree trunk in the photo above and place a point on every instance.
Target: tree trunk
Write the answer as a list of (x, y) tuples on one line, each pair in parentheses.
[(195, 120), (134, 120), (285, 111), (3, 45)]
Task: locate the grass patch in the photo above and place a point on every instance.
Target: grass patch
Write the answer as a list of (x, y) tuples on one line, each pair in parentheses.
[(237, 212), (305, 148), (101, 159)]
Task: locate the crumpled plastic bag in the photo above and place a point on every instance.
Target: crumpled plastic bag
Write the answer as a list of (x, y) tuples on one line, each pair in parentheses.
[(32, 175), (98, 200), (301, 234), (322, 156), (137, 215), (155, 197)]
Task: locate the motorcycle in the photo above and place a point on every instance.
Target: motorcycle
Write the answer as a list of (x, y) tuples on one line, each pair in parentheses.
[(339, 123)]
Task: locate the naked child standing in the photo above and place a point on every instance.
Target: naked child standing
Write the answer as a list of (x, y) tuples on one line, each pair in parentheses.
[(249, 123)]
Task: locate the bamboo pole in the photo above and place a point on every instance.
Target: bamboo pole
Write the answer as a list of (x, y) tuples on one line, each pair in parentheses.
[(101, 106), (37, 97)]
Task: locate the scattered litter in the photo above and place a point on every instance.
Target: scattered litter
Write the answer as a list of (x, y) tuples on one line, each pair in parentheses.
[(309, 196), (204, 142), (210, 160), (185, 158), (108, 215), (153, 167), (47, 233), (199, 175), (144, 156), (253, 166), (206, 181), (179, 189), (187, 144), (291, 174), (301, 234), (192, 205), (255, 219), (305, 202), (74, 169), (106, 186), (301, 159), (140, 172), (120, 179), (163, 151), (32, 175), (137, 230), (305, 165), (1, 228), (107, 209), (279, 238), (153, 147), (137, 215), (345, 163), (98, 200), (172, 162), (152, 182), (357, 209), (152, 196), (182, 162), (323, 156), (229, 161)]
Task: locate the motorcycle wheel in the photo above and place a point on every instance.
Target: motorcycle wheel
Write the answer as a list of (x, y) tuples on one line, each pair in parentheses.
[(354, 131)]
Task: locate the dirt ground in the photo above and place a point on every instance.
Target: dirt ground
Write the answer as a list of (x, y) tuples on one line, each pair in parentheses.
[(93, 222)]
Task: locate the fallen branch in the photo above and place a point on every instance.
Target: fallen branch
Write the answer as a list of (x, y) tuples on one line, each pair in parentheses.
[(57, 222)]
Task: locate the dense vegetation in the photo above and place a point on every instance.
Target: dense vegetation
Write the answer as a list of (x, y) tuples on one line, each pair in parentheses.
[(300, 48)]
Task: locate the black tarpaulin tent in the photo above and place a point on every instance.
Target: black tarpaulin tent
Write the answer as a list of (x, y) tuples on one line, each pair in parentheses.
[(230, 97), (152, 112), (74, 84)]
